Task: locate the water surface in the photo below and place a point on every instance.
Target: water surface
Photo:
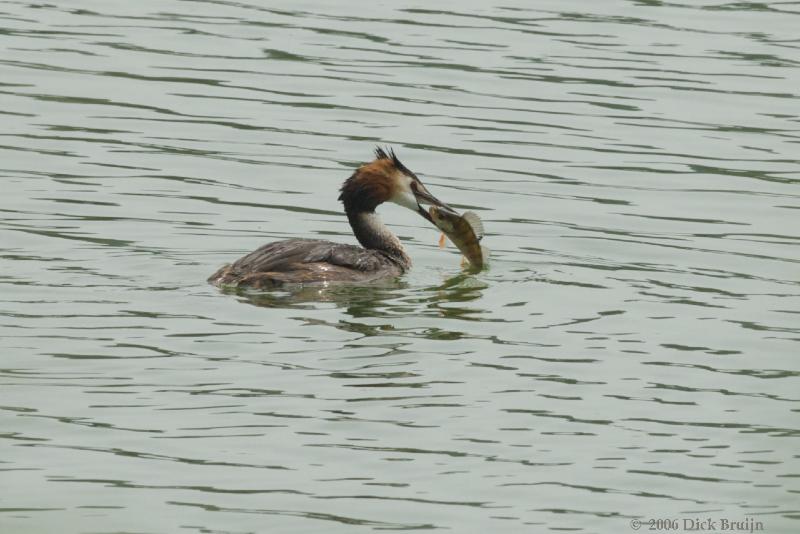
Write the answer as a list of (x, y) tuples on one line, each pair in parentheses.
[(630, 354)]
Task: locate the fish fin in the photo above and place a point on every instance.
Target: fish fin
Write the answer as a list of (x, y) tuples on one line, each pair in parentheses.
[(475, 222), (442, 241)]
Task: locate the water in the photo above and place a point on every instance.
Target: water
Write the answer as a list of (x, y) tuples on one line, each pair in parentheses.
[(631, 354)]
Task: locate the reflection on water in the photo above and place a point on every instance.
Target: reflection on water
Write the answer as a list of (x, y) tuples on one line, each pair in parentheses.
[(373, 299), (631, 353)]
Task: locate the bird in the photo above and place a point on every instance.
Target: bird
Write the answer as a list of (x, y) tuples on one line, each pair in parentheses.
[(316, 261)]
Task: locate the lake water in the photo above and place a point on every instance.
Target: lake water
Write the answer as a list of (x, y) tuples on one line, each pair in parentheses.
[(630, 355)]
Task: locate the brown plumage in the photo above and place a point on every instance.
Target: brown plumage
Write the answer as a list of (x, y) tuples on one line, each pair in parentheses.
[(317, 261), (372, 184)]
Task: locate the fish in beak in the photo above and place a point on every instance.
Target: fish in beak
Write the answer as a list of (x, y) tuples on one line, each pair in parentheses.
[(423, 196)]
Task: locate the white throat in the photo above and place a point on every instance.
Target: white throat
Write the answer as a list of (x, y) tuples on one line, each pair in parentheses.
[(404, 196)]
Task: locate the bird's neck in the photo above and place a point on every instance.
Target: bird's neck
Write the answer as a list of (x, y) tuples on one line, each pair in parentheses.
[(373, 234)]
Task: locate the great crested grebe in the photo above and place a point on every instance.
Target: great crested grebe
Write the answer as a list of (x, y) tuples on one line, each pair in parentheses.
[(314, 260)]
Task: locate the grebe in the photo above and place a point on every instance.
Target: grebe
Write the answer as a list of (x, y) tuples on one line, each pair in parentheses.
[(314, 260)]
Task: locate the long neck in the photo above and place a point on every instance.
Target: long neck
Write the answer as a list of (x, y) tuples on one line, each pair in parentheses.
[(373, 234)]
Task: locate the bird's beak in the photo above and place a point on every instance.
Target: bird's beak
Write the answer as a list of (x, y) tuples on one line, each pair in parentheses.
[(423, 196)]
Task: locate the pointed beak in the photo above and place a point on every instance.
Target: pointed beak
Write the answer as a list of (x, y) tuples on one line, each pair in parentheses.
[(423, 196)]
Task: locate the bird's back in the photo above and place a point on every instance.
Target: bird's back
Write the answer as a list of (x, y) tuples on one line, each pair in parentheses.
[(305, 261)]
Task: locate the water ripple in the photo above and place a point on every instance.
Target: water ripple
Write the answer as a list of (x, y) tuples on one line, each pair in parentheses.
[(629, 353)]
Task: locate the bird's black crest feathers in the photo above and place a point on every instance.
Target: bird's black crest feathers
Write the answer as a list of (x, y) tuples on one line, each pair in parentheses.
[(380, 153)]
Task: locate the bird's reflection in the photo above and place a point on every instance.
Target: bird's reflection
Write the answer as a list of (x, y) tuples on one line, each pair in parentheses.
[(363, 299), (385, 298)]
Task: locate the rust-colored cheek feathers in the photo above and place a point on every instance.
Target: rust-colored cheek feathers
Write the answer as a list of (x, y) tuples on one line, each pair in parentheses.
[(371, 185)]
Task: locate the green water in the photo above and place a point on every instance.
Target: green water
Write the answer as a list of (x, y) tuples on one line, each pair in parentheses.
[(631, 354)]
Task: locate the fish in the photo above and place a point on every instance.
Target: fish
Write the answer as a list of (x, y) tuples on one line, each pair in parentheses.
[(465, 231)]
